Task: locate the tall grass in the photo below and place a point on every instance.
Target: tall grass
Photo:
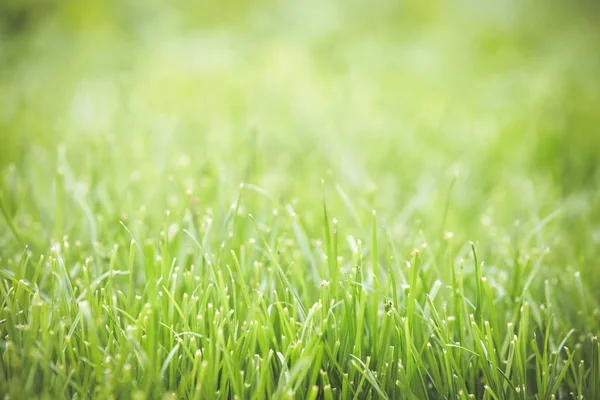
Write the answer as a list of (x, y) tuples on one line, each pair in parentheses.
[(299, 201)]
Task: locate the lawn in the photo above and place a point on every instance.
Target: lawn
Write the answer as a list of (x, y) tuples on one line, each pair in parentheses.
[(299, 200)]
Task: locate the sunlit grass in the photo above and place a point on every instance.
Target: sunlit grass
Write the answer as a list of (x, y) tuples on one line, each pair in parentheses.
[(300, 202)]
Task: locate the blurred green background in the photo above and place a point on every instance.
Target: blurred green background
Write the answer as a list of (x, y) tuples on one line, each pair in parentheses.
[(129, 104)]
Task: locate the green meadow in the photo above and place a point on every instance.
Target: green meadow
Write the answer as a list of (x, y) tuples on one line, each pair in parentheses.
[(299, 200)]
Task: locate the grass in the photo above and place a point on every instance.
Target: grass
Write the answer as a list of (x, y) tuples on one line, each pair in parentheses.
[(283, 201)]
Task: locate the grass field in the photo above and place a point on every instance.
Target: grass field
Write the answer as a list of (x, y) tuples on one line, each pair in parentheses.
[(311, 200)]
